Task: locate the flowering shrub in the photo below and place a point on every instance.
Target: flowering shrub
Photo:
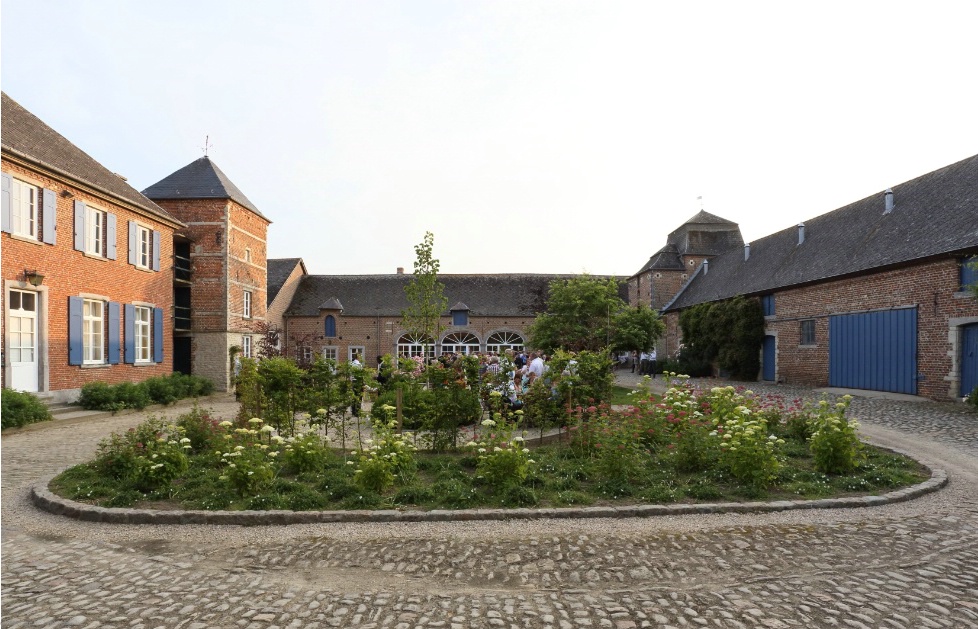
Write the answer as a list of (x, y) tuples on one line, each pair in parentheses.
[(504, 458), (388, 456), (834, 442), (746, 449), (247, 463), (150, 455), (304, 453)]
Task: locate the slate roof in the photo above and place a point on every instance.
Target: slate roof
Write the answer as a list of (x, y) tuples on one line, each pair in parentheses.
[(26, 137), (279, 270), (200, 179), (512, 295), (702, 234), (935, 214)]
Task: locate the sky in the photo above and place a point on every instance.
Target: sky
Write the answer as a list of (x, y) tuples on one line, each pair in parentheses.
[(527, 136)]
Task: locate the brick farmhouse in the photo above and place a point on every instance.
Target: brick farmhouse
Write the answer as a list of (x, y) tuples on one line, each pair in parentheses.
[(105, 283)]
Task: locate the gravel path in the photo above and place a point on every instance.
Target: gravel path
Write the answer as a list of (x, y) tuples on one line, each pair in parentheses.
[(906, 565)]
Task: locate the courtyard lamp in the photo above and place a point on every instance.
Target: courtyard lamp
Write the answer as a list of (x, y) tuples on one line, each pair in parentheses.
[(33, 277)]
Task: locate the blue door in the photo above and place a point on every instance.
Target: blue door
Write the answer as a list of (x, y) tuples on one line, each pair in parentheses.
[(874, 350), (969, 359), (768, 371)]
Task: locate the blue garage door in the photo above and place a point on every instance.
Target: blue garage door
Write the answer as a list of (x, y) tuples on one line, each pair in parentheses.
[(874, 350), (768, 357), (969, 359)]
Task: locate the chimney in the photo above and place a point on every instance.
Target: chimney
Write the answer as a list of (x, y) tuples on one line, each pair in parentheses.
[(888, 201), (746, 251), (801, 233), (706, 267), (400, 270)]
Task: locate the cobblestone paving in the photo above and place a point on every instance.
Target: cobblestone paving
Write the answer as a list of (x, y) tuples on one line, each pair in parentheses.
[(907, 565)]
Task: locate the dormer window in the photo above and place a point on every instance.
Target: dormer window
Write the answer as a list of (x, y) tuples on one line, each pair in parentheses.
[(460, 314), (330, 326)]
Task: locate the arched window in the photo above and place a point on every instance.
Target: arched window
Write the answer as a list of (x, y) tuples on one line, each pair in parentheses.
[(462, 342), (411, 345), (330, 326), (501, 341)]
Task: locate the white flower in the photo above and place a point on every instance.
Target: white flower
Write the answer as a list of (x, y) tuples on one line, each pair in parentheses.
[(185, 440), (225, 424), (239, 448), (489, 423), (266, 429), (256, 420), (518, 439)]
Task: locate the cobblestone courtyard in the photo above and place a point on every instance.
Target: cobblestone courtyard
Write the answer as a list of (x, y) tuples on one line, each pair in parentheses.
[(906, 565)]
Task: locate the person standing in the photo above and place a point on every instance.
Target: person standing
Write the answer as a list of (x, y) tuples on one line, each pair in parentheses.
[(652, 360), (536, 366)]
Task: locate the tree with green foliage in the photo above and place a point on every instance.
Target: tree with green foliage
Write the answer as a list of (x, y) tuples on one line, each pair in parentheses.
[(636, 329), (728, 333), (587, 313), (425, 294)]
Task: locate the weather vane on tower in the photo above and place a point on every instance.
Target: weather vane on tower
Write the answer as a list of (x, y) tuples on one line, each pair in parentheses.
[(207, 144)]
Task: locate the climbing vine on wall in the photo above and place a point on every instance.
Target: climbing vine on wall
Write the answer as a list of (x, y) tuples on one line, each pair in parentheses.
[(726, 333)]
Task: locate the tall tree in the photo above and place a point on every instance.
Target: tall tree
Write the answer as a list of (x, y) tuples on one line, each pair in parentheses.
[(425, 294), (636, 328)]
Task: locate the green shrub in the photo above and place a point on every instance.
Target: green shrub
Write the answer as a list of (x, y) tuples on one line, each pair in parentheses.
[(20, 409), (973, 398), (834, 442), (161, 390), (132, 395), (202, 429), (99, 396)]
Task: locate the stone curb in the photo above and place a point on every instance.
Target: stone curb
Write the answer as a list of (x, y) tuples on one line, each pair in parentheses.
[(44, 499)]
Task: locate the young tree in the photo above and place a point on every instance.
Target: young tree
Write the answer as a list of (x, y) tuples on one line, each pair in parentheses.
[(425, 294)]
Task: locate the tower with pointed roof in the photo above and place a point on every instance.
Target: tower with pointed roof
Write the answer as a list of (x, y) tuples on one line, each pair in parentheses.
[(220, 283), (700, 238)]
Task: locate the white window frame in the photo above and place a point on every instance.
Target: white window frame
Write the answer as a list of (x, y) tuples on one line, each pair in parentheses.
[(409, 345), (94, 231), (144, 247), (93, 332), (246, 305), (246, 346), (354, 350), (24, 204), (331, 352), (143, 327), (306, 354)]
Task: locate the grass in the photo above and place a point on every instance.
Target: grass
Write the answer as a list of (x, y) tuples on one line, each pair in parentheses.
[(621, 396), (562, 477)]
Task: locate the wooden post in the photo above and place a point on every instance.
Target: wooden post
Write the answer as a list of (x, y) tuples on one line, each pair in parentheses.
[(400, 404)]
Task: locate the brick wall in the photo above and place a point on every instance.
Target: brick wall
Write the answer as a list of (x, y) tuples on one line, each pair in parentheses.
[(69, 273), (378, 336), (931, 287)]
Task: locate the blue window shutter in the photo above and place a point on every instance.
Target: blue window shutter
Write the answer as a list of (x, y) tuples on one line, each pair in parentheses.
[(79, 225), (50, 217), (133, 234), (130, 336), (113, 333), (460, 317), (330, 326), (156, 250), (157, 335), (75, 351), (110, 236), (6, 190)]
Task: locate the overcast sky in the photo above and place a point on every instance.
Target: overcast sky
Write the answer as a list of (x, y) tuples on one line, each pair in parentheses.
[(536, 137)]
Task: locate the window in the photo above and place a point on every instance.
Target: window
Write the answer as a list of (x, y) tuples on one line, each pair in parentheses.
[(306, 354), (767, 303), (356, 351), (24, 209), (410, 345), (331, 353), (94, 231), (141, 328), (247, 304), (330, 326), (247, 255), (969, 272), (144, 247), (501, 341), (93, 331), (808, 332), (460, 317), (461, 342), (246, 346)]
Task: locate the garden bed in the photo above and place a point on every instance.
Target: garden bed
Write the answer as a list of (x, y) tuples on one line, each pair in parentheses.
[(687, 447)]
